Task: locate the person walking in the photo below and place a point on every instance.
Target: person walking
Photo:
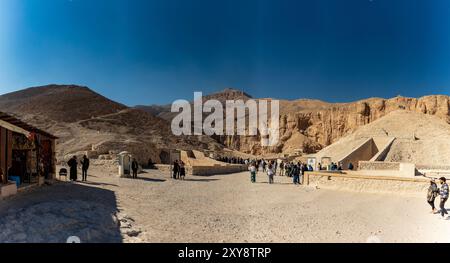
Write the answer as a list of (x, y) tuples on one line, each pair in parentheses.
[(84, 168), (182, 170), (281, 168), (303, 169), (350, 166), (433, 192), (444, 196), (73, 164), (252, 168), (270, 173), (134, 168), (176, 169), (295, 170)]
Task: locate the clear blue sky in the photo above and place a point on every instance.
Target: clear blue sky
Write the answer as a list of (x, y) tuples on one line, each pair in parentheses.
[(145, 52)]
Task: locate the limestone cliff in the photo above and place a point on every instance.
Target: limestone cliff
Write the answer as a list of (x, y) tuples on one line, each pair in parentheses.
[(308, 125)]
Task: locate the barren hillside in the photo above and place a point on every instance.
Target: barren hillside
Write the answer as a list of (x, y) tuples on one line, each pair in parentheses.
[(419, 138), (308, 125), (86, 121)]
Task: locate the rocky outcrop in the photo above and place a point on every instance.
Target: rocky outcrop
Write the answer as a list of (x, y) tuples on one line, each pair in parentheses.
[(307, 125)]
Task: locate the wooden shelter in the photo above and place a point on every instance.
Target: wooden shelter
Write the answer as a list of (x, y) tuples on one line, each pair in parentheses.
[(26, 152)]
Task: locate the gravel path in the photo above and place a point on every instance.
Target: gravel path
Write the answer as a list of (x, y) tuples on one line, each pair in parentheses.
[(222, 208)]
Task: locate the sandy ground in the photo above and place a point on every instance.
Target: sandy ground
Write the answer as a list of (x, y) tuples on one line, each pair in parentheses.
[(222, 208)]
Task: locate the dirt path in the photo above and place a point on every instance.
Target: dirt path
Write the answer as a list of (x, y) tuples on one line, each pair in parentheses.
[(222, 208)]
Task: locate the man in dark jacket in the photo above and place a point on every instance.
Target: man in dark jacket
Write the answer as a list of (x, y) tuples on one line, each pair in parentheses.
[(444, 196), (84, 167), (176, 169), (296, 174), (134, 168), (72, 163)]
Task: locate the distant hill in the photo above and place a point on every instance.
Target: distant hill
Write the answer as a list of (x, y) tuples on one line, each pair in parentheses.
[(164, 111), (86, 121), (419, 138), (68, 103)]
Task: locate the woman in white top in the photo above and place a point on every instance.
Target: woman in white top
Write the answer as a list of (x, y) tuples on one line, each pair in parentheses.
[(252, 169)]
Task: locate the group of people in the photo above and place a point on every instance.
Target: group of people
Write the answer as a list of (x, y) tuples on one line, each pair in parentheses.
[(73, 165), (84, 162), (232, 160), (433, 192), (291, 169), (179, 170)]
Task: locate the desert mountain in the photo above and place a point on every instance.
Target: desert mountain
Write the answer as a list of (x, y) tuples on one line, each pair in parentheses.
[(67, 103), (418, 138), (309, 125), (86, 121), (163, 111)]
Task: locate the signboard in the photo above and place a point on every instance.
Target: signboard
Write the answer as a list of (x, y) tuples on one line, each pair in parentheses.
[(312, 161)]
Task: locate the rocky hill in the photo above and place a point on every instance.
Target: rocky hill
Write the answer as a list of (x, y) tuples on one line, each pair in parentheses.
[(67, 103), (86, 121), (418, 138), (309, 125)]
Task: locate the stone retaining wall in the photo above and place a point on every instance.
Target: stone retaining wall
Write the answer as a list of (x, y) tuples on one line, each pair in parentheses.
[(368, 184), (207, 169), (364, 165)]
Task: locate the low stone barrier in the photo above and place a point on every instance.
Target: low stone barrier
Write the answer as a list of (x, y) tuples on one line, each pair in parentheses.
[(216, 169), (368, 165), (367, 184), (207, 169)]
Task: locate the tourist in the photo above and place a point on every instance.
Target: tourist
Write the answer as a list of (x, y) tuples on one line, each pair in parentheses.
[(288, 169), (73, 164), (150, 164), (134, 168), (176, 169), (339, 168), (444, 196), (350, 166), (295, 171), (261, 166), (252, 170), (433, 192), (303, 169), (84, 168), (281, 168), (270, 172), (182, 170), (319, 166)]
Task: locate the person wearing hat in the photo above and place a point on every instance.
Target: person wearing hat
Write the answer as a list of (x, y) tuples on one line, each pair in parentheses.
[(433, 192), (444, 196)]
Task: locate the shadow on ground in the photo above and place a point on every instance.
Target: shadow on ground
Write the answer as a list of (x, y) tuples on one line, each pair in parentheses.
[(52, 214)]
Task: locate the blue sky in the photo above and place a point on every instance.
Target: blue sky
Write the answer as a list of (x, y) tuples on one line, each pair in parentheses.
[(146, 52)]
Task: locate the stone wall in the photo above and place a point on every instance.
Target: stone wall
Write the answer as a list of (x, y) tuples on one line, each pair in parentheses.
[(363, 152), (368, 184), (364, 165), (216, 169), (207, 169)]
